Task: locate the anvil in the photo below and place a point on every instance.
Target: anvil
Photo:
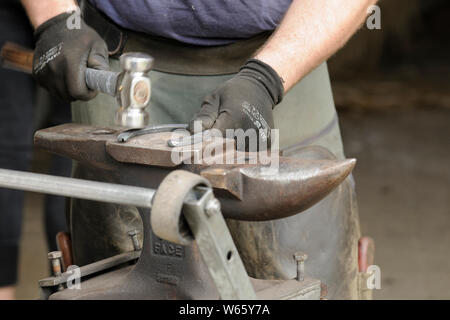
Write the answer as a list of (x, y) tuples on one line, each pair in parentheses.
[(248, 189)]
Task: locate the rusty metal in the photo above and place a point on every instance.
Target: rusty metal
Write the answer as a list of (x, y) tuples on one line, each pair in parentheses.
[(167, 270), (212, 237), (107, 285), (55, 261), (64, 244), (328, 232), (248, 191)]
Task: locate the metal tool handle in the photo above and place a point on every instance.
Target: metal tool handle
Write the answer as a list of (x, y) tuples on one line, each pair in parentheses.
[(77, 188), (184, 201), (103, 81)]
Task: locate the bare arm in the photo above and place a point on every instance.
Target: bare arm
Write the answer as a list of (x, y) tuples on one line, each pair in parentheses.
[(309, 34), (40, 11)]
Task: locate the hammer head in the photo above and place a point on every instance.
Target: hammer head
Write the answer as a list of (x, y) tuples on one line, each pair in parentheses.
[(134, 90)]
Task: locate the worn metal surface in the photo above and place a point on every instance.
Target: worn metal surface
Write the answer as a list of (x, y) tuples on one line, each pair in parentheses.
[(164, 270), (186, 198), (218, 250), (168, 203), (132, 133), (248, 191), (328, 231), (211, 233), (171, 271), (207, 226), (92, 268), (308, 289), (95, 288)]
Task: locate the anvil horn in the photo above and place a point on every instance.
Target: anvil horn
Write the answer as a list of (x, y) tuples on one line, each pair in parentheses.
[(264, 194)]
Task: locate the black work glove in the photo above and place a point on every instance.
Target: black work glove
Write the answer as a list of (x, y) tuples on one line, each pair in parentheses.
[(62, 55), (244, 102)]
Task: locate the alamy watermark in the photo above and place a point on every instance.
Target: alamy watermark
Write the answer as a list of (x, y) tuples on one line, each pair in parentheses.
[(74, 20), (74, 280), (235, 146), (373, 21), (374, 279)]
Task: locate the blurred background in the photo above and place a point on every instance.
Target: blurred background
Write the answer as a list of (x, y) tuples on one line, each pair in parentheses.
[(392, 90)]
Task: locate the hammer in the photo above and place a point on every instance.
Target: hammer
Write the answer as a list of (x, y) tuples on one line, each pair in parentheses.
[(131, 87)]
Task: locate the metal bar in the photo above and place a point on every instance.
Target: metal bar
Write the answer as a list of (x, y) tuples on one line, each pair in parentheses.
[(131, 133), (92, 268), (189, 140), (77, 188), (217, 247), (103, 81)]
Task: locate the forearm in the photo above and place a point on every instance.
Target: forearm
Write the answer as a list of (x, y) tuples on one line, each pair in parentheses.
[(40, 11), (311, 31)]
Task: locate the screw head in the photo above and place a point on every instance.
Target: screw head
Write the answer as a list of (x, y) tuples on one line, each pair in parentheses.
[(212, 207), (54, 255), (133, 232), (300, 256)]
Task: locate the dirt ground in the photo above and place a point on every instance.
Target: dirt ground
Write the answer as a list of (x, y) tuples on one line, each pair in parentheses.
[(403, 185)]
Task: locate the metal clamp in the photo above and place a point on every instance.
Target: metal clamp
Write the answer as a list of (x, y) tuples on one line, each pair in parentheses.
[(200, 210)]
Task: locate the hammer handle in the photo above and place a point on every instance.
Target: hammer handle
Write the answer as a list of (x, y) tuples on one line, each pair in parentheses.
[(16, 57), (103, 81)]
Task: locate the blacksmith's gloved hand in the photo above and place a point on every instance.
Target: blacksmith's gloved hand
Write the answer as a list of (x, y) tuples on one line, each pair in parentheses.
[(62, 55), (244, 102)]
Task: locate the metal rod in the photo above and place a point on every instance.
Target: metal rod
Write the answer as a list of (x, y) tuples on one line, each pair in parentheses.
[(77, 188), (103, 81)]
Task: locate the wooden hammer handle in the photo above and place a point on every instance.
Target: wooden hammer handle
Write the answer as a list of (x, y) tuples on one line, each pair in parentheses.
[(17, 57)]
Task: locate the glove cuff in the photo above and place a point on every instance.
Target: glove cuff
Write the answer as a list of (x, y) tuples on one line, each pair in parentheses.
[(267, 76), (51, 22)]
